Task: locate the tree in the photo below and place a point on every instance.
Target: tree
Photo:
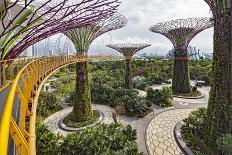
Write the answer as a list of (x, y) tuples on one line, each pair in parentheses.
[(220, 103), (128, 50), (180, 32), (82, 38)]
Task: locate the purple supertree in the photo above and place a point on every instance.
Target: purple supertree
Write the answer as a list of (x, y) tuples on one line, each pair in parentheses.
[(128, 50), (180, 32), (82, 37), (33, 21), (219, 111)]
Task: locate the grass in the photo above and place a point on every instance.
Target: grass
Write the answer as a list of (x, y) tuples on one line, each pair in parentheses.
[(69, 121), (193, 94)]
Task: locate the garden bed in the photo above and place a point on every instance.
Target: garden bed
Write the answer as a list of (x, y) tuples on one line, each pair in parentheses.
[(193, 95), (67, 124), (179, 139)]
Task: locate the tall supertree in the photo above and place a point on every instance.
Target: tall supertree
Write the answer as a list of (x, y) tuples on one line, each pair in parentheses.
[(82, 39), (219, 120), (180, 32), (128, 50), (23, 23)]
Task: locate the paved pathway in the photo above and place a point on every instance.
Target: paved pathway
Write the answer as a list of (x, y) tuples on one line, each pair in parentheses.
[(155, 131), (139, 124), (160, 132), (52, 121)]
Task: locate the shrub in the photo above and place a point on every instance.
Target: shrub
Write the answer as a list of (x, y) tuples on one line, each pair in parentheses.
[(193, 131), (225, 144), (48, 104), (161, 97), (194, 89), (101, 139), (139, 83), (108, 90), (47, 143), (155, 79)]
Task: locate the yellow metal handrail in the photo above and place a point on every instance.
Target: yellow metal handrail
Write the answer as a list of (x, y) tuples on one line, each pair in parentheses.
[(32, 77)]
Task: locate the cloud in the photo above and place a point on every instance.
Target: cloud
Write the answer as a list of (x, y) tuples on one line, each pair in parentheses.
[(144, 13)]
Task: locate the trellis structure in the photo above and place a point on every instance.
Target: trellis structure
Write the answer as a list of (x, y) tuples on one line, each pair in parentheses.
[(128, 50), (82, 39), (180, 32), (220, 103), (24, 23)]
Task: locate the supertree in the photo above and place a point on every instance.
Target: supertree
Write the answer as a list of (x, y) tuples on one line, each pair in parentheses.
[(219, 114), (23, 23), (180, 32), (82, 39), (128, 50)]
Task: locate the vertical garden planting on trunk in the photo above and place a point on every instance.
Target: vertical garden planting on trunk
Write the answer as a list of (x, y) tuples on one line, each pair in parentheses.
[(82, 39), (128, 50), (180, 32)]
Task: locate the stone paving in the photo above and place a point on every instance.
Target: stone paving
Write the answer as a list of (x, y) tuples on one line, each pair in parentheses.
[(139, 124), (160, 132), (52, 121)]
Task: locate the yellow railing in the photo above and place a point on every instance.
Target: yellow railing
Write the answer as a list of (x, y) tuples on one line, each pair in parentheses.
[(24, 93), (25, 90), (9, 69)]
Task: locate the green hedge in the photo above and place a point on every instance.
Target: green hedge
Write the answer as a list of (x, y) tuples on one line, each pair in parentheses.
[(107, 89), (48, 104), (161, 97), (113, 139)]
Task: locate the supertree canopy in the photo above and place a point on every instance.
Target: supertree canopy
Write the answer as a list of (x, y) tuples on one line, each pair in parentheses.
[(82, 37), (219, 113), (128, 50), (24, 23), (180, 32)]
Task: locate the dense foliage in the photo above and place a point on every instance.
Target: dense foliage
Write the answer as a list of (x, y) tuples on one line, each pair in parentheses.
[(224, 144), (48, 104), (71, 121), (201, 70), (106, 89), (47, 143), (107, 83), (195, 133), (101, 139), (161, 97)]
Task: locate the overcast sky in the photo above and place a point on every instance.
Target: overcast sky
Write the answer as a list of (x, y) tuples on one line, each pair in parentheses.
[(142, 14)]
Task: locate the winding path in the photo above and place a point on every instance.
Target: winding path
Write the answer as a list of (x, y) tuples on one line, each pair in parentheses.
[(160, 132), (155, 132)]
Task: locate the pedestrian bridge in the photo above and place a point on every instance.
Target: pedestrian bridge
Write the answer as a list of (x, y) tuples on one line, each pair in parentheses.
[(22, 81)]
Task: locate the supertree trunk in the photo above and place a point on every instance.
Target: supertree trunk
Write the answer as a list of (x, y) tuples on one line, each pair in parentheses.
[(128, 81), (128, 50), (220, 103), (181, 78), (82, 108)]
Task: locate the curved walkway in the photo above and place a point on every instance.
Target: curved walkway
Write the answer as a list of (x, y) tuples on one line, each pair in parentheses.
[(154, 132), (52, 121), (139, 124), (160, 132)]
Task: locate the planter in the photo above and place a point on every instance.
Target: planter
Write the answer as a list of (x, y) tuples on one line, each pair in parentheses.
[(71, 129), (183, 146)]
